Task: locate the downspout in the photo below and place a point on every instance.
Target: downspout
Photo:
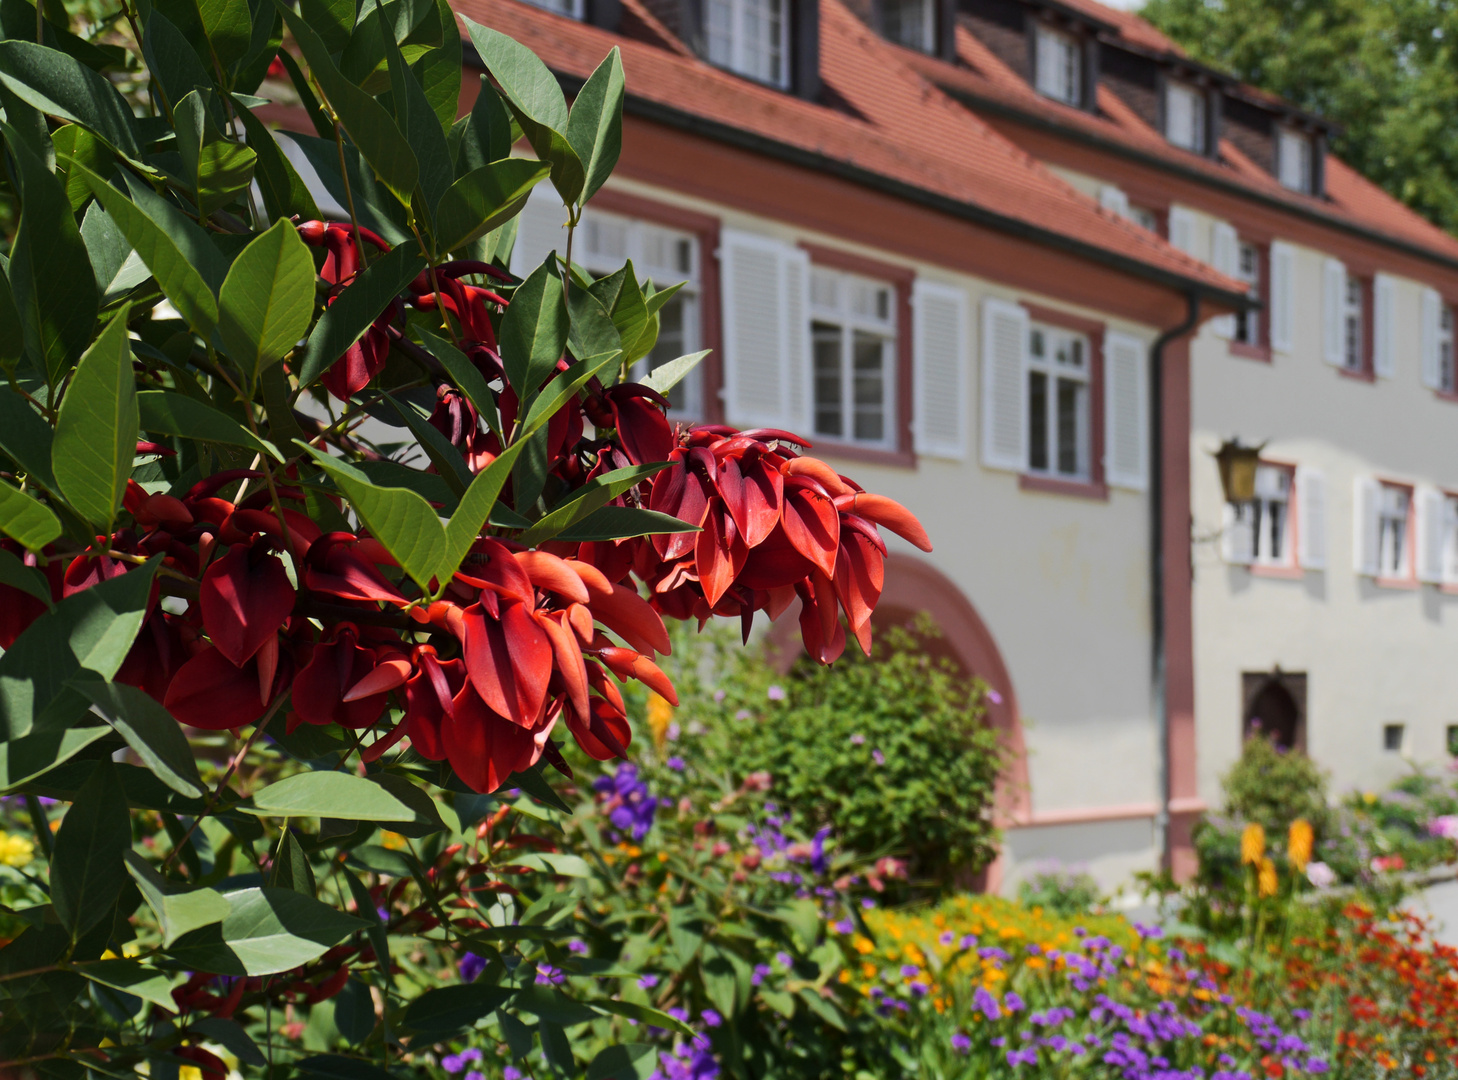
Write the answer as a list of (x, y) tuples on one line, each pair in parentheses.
[(1159, 659)]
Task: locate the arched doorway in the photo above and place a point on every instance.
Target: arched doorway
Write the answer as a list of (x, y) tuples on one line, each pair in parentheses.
[(1275, 707)]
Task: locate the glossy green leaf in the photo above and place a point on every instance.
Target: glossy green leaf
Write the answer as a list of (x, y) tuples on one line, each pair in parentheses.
[(374, 205), (175, 66), (291, 869), (448, 461), (475, 508), (803, 920), (465, 375), (284, 191), (12, 337), (267, 299), (72, 142), (26, 439), (263, 46), (534, 330), (665, 377), (422, 129), (439, 70), (63, 87), (167, 412), (28, 579), (587, 499), (373, 129), (307, 99), (229, 27), (643, 1014), (25, 759), (354, 1012), (29, 523), (217, 169), (332, 20), (92, 629), (590, 331), (96, 427), (179, 908), (178, 276), (595, 125), (487, 134), (360, 303), (87, 873), (133, 978), (626, 1061), (481, 200), (552, 863), (550, 1004), (149, 730), (51, 283), (327, 794), (266, 931), (117, 266), (621, 522), (446, 1011), (229, 1034)]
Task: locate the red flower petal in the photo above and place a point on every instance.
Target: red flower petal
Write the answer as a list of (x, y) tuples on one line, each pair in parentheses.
[(245, 597)]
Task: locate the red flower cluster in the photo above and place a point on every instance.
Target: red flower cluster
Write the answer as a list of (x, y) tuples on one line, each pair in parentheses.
[(518, 639)]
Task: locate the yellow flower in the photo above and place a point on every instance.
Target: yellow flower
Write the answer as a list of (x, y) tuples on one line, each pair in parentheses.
[(1268, 878), (1298, 843), (1252, 844), (660, 715), (15, 850), (392, 840), (189, 1072), (845, 975)]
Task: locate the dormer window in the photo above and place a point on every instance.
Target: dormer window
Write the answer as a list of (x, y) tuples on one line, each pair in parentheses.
[(1058, 66), (571, 8), (1294, 159), (750, 37), (910, 22), (1184, 116)]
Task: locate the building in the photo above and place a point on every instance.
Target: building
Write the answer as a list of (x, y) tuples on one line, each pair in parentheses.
[(997, 257)]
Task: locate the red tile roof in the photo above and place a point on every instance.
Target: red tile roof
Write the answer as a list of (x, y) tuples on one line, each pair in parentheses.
[(904, 128)]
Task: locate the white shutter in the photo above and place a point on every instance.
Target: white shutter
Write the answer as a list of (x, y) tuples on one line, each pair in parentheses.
[(1225, 257), (1364, 525), (1432, 314), (1004, 385), (1114, 200), (1237, 538), (1333, 312), (1182, 229), (939, 354), (765, 330), (1384, 327), (1310, 518), (1431, 508), (1283, 269), (1126, 427), (1448, 557), (795, 281), (541, 227)]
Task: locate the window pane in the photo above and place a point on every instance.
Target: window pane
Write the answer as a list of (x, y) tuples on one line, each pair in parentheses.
[(829, 419), (671, 344), (869, 387), (1037, 421), (1070, 427), (906, 22), (720, 27)]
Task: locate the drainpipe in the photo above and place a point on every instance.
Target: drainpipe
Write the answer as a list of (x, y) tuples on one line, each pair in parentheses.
[(1156, 558)]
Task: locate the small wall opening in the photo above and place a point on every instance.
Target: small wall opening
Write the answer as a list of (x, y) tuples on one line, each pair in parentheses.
[(1275, 707)]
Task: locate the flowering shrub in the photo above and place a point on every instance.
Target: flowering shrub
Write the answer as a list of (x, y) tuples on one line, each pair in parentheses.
[(1061, 890)]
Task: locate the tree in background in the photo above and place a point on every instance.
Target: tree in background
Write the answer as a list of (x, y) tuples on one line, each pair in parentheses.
[(1387, 72)]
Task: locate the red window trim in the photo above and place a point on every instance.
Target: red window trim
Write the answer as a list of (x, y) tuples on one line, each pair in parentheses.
[(1095, 487), (900, 278), (1411, 580), (1261, 349), (1292, 569), (711, 325), (1367, 372)]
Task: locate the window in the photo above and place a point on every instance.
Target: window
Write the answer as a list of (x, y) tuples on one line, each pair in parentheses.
[(665, 257), (853, 343), (1448, 568), (1446, 381), (1293, 160), (749, 36), (1451, 740), (1268, 516), (1144, 217), (1394, 504), (1354, 343), (1184, 116), (1058, 403), (571, 8), (909, 23), (1393, 737), (1248, 270), (1058, 66)]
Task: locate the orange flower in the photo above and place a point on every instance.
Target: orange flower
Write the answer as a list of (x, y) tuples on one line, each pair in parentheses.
[(1267, 877), (1252, 844), (1299, 841)]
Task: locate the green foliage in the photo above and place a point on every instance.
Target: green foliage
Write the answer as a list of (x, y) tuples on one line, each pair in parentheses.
[(1274, 787), (1385, 72), (1061, 891), (891, 753)]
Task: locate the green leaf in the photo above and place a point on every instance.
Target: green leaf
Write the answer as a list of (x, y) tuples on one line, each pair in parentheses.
[(26, 521), (291, 869), (168, 412), (534, 330), (332, 20), (621, 522), (595, 126), (487, 134), (267, 299), (130, 977), (591, 332), (327, 794), (464, 374), (284, 191), (118, 268), (475, 508), (25, 759), (484, 198), (266, 931), (60, 86), (372, 128), (229, 27), (217, 169), (307, 101), (229, 1034), (339, 1067), (422, 129), (374, 205), (447, 460), (803, 919), (360, 303), (157, 244), (550, 1004), (26, 438), (86, 861), (12, 336), (665, 377), (354, 1012), (626, 1061), (73, 142), (150, 730), (92, 629), (446, 1011), (587, 499), (551, 863), (439, 70), (535, 99), (180, 909), (28, 579), (173, 63), (50, 276), (643, 1014), (96, 428)]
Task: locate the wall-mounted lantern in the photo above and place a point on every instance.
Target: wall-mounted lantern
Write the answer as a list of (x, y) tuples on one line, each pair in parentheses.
[(1238, 469)]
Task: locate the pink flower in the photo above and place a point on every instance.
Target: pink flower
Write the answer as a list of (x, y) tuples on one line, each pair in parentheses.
[(1445, 826), (1320, 875)]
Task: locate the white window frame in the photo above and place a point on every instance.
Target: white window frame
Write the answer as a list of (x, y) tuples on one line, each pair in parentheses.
[(1185, 120), (1058, 64), (1354, 330), (1053, 371), (1248, 270), (1271, 517), (1295, 159), (921, 37), (851, 307), (573, 9), (1448, 575), (1394, 532), (728, 29)]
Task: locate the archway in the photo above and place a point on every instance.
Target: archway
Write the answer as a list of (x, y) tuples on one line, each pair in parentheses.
[(1274, 712)]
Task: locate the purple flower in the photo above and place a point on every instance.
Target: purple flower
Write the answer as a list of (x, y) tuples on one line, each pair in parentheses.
[(992, 952), (968, 940), (867, 903), (1147, 931), (511, 1072), (1012, 1001), (818, 862), (998, 1041), (711, 1018), (961, 1043), (784, 959), (475, 1074), (578, 948), (760, 971), (947, 937), (719, 696), (985, 1003), (679, 1014), (452, 1063), (878, 757), (857, 739), (647, 982), (1026, 1056), (676, 763), (777, 693), (673, 732), (547, 975), (471, 967), (629, 806), (994, 697), (910, 971), (845, 926)]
